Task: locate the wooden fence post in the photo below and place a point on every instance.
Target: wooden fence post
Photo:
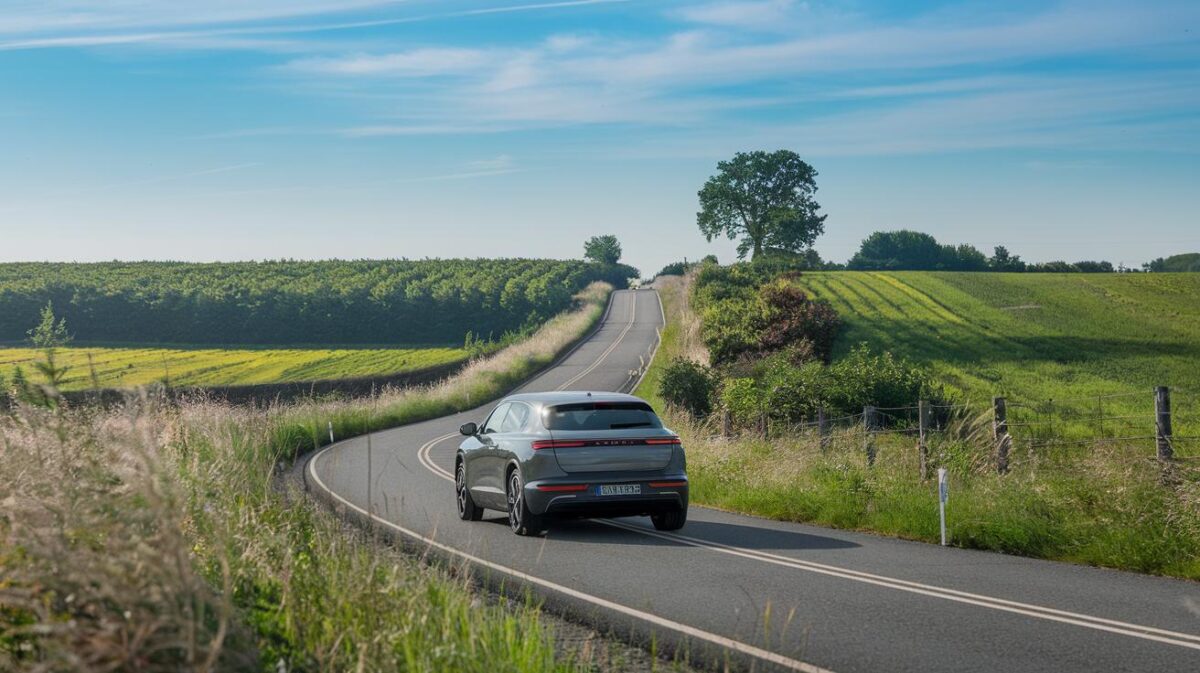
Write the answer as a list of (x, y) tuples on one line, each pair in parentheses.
[(869, 434), (823, 429), (922, 439), (1162, 422), (1000, 433), (726, 423)]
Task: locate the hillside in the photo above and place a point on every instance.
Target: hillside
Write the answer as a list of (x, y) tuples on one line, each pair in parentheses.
[(129, 367), (1030, 336), (433, 301)]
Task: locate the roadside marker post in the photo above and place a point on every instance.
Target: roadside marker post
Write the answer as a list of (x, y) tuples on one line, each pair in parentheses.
[(330, 432), (943, 496)]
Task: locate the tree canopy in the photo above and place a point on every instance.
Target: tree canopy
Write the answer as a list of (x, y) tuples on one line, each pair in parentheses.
[(1186, 262), (433, 301), (764, 198), (913, 250), (603, 249)]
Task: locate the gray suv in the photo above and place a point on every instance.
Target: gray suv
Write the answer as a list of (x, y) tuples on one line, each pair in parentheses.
[(571, 454)]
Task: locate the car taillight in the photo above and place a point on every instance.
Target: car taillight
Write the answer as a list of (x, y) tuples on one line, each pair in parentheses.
[(668, 484), (663, 440), (556, 444), (561, 488)]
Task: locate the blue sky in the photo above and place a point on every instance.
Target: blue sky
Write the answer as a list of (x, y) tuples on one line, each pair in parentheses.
[(237, 129)]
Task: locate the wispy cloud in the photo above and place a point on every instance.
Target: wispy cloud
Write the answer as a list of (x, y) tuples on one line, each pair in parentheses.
[(214, 25), (756, 14), (428, 62)]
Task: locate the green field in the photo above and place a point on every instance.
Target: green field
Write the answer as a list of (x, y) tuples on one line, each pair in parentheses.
[(1071, 346), (207, 366), (1079, 495)]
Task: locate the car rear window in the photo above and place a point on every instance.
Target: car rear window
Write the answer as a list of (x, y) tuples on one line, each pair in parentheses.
[(601, 416)]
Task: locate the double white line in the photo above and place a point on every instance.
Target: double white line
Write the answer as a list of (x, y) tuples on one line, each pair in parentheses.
[(1188, 640), (610, 349), (662, 622)]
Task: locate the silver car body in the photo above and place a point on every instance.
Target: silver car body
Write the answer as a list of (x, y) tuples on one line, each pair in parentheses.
[(571, 470)]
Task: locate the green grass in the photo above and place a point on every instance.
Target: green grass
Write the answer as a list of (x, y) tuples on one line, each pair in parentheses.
[(181, 548), (1069, 338), (1101, 501), (207, 366)]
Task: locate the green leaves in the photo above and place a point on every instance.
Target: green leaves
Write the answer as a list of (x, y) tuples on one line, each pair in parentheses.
[(766, 199), (603, 249)]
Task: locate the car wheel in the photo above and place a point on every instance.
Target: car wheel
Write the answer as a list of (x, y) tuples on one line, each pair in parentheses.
[(520, 519), (670, 520), (467, 509)]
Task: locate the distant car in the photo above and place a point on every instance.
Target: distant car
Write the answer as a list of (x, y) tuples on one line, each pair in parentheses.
[(540, 456)]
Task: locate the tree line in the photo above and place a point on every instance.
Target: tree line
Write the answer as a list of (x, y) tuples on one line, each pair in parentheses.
[(916, 251), (297, 302), (767, 202)]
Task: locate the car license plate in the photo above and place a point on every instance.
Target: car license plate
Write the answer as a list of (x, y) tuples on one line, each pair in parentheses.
[(620, 489)]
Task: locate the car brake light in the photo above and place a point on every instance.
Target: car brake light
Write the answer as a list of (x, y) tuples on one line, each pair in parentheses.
[(668, 484), (555, 444), (663, 440), (559, 488)]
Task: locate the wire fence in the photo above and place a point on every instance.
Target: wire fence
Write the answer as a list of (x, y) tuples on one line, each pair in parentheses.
[(1160, 424)]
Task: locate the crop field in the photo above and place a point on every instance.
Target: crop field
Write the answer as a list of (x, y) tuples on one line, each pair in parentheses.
[(1065, 347), (207, 366)]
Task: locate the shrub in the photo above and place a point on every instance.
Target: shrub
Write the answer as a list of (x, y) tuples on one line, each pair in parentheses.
[(689, 385), (776, 316), (744, 398), (794, 393), (789, 317)]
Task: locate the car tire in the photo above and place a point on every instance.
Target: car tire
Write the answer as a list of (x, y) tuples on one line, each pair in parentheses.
[(520, 519), (670, 520), (467, 509)]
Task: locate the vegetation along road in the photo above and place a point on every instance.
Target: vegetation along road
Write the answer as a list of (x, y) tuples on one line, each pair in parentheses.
[(772, 595)]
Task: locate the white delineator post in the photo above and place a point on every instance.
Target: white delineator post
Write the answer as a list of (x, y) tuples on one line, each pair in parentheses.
[(943, 495), (330, 432)]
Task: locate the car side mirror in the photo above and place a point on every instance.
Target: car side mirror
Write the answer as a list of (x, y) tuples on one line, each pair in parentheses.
[(469, 429)]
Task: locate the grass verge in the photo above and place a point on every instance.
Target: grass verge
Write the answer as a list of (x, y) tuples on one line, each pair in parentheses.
[(155, 537), (1104, 503)]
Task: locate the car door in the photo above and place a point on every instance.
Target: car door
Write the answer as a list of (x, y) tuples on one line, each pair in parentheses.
[(485, 471), (513, 436)]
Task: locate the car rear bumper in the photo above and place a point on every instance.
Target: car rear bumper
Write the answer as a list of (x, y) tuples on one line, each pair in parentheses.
[(588, 503)]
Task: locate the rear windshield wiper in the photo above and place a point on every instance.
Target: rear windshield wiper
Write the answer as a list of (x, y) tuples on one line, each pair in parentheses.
[(623, 426)]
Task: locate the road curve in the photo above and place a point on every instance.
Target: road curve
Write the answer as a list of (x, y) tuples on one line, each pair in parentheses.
[(761, 594)]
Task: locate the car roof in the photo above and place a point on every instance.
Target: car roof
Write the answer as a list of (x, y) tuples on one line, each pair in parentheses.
[(572, 396)]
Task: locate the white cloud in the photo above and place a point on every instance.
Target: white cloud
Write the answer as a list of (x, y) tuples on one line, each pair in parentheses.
[(497, 163), (752, 14), (415, 63)]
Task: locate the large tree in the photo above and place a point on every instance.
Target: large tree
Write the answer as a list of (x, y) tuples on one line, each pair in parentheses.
[(603, 249), (764, 198)]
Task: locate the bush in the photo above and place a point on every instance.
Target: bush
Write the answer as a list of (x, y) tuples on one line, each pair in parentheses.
[(796, 392), (789, 317), (689, 385), (778, 315)]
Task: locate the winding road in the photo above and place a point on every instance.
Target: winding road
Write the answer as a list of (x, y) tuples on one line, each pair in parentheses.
[(764, 595)]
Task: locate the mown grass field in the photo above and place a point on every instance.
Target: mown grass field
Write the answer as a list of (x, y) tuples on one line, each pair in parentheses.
[(207, 366), (1097, 500), (1070, 347)]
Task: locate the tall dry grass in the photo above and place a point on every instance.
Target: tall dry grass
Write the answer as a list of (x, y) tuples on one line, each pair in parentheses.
[(158, 537)]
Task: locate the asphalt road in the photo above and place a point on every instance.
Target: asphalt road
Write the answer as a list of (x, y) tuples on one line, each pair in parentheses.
[(759, 594)]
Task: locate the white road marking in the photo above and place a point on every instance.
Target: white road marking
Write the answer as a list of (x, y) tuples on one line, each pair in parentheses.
[(610, 349), (1191, 641), (1188, 640), (690, 631), (657, 343)]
